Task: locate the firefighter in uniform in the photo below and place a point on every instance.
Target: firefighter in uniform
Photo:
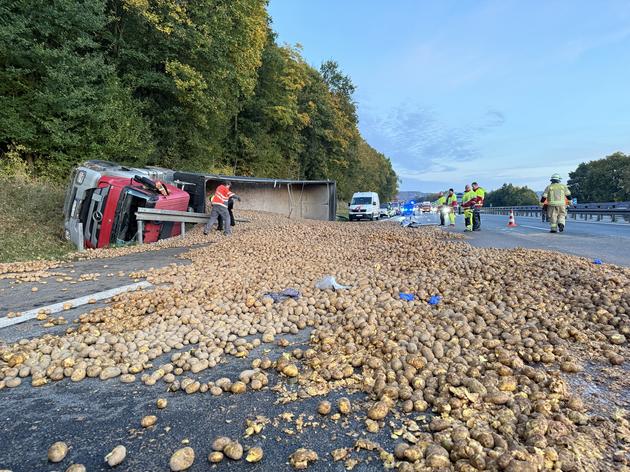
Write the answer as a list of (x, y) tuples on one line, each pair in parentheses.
[(441, 202), (468, 202), (451, 203), (556, 195), (480, 194), (220, 208)]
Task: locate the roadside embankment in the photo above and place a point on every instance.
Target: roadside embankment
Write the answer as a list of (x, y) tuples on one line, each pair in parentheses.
[(31, 220)]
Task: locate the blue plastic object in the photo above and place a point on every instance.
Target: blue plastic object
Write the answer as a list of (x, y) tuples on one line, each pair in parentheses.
[(406, 296), (283, 295), (434, 300), (597, 261)]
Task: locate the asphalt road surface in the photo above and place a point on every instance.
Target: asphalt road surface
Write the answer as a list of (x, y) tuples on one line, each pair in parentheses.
[(606, 241), (94, 416)]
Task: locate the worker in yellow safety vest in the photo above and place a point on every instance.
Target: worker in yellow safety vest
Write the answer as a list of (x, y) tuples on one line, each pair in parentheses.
[(441, 203), (468, 202), (557, 196), (451, 203), (480, 195)]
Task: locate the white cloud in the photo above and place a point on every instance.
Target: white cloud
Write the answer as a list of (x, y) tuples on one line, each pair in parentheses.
[(423, 148)]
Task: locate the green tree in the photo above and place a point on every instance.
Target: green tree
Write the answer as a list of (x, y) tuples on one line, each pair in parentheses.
[(269, 126), (603, 180), (191, 65), (187, 85), (58, 94), (511, 195)]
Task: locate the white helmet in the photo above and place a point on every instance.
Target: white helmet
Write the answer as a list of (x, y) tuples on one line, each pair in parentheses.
[(556, 176)]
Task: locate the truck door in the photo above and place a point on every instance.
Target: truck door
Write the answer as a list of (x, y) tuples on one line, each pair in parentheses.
[(95, 215)]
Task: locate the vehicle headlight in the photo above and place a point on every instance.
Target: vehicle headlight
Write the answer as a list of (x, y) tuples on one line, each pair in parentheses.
[(80, 177)]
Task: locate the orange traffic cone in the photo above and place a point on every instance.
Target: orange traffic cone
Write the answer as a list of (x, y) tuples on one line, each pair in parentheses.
[(512, 222)]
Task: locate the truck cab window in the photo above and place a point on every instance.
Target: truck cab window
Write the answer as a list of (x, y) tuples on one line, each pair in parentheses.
[(125, 224)]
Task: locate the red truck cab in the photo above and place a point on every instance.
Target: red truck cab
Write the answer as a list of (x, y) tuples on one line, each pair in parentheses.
[(109, 217)]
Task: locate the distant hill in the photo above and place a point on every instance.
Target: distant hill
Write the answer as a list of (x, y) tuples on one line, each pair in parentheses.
[(410, 194)]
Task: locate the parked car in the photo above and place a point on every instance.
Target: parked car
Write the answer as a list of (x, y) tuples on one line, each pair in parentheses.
[(425, 207), (386, 211), (395, 208), (364, 206)]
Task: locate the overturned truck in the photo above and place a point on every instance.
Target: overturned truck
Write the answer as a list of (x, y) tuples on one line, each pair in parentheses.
[(103, 197), (309, 199)]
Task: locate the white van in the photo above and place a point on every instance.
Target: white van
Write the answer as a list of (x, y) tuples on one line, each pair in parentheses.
[(364, 206)]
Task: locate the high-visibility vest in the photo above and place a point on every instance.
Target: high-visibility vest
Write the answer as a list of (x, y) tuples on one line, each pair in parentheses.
[(480, 195), (469, 198), (556, 194), (451, 200), (441, 200), (221, 196)]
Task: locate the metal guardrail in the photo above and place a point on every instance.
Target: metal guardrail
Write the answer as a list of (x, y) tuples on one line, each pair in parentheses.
[(182, 217), (617, 212)]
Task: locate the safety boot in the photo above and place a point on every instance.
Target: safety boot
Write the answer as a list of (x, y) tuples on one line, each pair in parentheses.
[(560, 227)]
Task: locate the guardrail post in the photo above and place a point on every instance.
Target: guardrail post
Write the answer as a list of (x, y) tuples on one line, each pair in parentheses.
[(183, 231), (140, 231)]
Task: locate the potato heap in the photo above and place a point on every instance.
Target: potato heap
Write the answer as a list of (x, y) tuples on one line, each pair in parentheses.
[(491, 361)]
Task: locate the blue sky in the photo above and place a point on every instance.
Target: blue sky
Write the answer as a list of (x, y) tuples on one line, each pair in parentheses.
[(459, 90)]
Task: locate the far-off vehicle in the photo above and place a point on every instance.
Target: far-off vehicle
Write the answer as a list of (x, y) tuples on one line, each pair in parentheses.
[(364, 206)]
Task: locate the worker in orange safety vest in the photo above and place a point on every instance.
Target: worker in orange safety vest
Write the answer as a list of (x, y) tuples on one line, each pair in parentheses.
[(219, 203)]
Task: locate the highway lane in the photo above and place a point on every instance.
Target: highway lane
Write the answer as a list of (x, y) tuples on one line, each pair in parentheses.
[(609, 242)]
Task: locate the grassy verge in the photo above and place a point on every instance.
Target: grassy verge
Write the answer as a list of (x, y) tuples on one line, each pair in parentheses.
[(31, 220), (342, 210)]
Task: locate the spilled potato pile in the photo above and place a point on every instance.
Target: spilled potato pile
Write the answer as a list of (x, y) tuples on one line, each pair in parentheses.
[(490, 365)]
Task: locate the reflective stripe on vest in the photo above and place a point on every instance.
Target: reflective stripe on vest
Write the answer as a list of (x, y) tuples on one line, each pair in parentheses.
[(555, 194)]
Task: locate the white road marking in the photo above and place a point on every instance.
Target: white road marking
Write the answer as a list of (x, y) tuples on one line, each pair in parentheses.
[(534, 227), (569, 220), (57, 307)]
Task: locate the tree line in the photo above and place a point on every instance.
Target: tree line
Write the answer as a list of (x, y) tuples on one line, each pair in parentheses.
[(511, 195), (199, 86), (601, 180)]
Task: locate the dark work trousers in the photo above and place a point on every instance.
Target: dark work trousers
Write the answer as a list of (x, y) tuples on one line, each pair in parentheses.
[(545, 218), (217, 211), (441, 217), (476, 219), (232, 223)]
